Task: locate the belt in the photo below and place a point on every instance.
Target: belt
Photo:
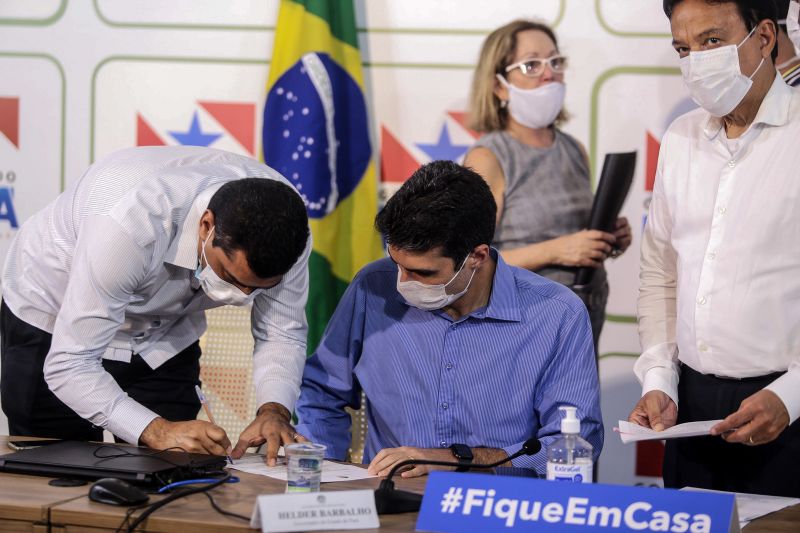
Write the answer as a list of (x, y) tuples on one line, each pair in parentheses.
[(771, 376)]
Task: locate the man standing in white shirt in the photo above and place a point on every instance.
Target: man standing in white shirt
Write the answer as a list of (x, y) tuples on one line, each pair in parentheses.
[(719, 303), (104, 293)]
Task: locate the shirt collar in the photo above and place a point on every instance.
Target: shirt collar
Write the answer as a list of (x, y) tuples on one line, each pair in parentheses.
[(182, 250), (774, 109), (503, 302)]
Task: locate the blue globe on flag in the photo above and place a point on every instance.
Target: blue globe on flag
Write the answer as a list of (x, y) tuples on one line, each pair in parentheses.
[(315, 132)]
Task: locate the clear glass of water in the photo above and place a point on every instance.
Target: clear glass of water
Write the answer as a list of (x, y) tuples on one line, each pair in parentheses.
[(304, 466)]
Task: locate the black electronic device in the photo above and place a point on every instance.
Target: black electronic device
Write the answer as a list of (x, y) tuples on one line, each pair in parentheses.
[(463, 455), (27, 444), (90, 460), (615, 182), (389, 500), (114, 491)]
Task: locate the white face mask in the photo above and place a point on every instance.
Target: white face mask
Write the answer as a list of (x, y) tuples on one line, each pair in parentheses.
[(714, 78), (793, 31), (535, 108), (217, 288), (430, 297)]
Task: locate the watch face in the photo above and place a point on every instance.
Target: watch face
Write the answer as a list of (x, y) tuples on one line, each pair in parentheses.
[(462, 452)]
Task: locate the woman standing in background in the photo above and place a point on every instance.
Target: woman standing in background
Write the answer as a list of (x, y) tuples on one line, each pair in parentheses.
[(538, 174)]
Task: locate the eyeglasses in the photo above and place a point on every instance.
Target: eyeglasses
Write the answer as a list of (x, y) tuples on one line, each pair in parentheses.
[(533, 68)]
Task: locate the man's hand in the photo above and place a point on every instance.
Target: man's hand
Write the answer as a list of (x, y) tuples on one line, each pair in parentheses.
[(197, 436), (385, 460), (759, 420), (655, 410), (273, 426)]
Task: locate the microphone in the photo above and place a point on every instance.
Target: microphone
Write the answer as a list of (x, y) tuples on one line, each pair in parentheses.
[(389, 500)]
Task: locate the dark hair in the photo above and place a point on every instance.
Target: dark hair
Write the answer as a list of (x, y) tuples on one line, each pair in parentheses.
[(441, 205), (264, 218), (751, 11)]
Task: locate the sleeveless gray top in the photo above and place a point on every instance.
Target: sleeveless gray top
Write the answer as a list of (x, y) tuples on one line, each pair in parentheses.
[(547, 195)]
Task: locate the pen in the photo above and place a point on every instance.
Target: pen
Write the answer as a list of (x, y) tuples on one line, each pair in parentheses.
[(207, 409)]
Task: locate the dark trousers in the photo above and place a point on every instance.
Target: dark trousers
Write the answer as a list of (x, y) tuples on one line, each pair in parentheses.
[(34, 411), (712, 463)]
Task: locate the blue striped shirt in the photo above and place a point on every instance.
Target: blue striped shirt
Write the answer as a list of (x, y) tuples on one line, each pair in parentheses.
[(492, 379)]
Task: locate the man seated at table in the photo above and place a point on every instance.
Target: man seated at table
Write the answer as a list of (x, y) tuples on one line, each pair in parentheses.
[(453, 347)]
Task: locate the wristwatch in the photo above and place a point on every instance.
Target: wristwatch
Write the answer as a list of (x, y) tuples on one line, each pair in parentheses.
[(463, 453)]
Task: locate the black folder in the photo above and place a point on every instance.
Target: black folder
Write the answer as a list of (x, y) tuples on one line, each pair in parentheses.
[(615, 182)]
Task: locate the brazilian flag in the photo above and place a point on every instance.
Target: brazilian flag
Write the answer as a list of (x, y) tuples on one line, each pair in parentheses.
[(316, 134)]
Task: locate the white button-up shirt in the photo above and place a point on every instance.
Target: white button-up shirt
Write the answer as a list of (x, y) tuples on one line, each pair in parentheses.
[(108, 268), (720, 265)]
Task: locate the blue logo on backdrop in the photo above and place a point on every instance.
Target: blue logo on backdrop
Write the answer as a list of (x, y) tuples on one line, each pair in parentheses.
[(7, 211), (475, 502)]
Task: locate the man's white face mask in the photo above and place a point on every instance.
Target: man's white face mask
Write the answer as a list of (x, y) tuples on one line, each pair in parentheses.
[(217, 288), (793, 31), (430, 297), (714, 78)]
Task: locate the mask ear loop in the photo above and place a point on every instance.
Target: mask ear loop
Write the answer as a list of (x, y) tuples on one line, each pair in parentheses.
[(744, 41), (205, 242)]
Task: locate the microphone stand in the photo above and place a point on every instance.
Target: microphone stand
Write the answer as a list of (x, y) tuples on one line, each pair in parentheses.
[(389, 500)]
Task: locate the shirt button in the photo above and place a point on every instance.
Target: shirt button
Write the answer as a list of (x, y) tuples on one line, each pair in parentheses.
[(703, 347), (721, 210), (445, 405), (731, 163), (449, 366), (701, 300), (443, 444), (712, 256)]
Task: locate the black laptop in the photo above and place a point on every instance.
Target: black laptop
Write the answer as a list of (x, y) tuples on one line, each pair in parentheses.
[(91, 460)]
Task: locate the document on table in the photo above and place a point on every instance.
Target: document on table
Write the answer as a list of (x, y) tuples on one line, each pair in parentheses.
[(630, 432), (752, 506), (331, 471)]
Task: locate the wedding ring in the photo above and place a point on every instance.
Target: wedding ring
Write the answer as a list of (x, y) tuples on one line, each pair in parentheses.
[(751, 440), (294, 436)]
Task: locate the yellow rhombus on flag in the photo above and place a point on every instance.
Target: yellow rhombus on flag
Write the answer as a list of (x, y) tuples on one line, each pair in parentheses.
[(316, 134)]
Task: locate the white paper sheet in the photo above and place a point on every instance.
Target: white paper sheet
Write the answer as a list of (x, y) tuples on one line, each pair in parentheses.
[(752, 506), (630, 432), (254, 464)]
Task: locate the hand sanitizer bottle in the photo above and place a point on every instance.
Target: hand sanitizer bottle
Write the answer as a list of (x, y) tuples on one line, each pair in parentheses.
[(569, 458)]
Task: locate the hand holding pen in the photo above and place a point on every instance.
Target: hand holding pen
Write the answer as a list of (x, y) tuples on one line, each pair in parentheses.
[(207, 409)]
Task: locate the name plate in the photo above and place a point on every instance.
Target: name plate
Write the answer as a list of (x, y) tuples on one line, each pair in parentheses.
[(456, 502), (347, 509)]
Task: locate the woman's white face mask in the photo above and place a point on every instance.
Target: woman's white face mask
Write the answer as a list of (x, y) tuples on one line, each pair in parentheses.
[(535, 108), (714, 78), (430, 297)]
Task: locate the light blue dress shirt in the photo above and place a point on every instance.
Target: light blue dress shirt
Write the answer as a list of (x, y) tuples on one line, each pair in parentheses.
[(493, 378)]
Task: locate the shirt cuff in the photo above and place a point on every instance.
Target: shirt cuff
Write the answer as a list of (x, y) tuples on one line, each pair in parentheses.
[(129, 419), (663, 379), (285, 394), (787, 387)]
